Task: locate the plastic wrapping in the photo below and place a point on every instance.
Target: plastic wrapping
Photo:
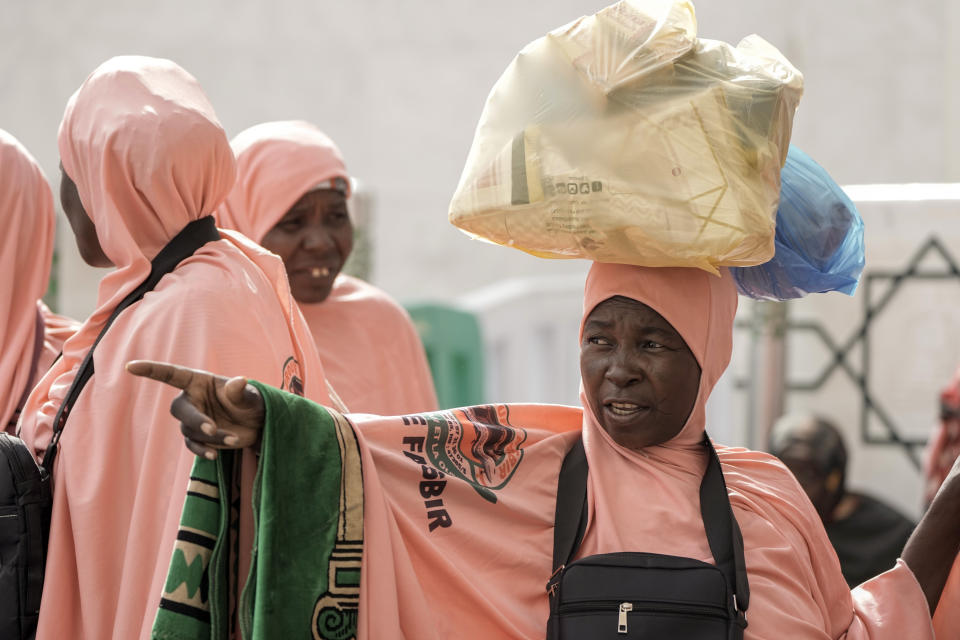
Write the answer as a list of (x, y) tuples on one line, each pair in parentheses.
[(819, 238), (621, 137)]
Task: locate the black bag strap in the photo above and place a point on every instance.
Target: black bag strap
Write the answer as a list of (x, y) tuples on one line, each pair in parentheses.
[(723, 532), (183, 245), (570, 519)]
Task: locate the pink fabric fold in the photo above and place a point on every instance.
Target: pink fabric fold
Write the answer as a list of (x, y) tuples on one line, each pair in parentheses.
[(57, 329), (148, 155), (26, 253), (371, 352)]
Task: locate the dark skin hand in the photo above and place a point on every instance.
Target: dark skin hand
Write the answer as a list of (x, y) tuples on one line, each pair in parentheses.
[(228, 413), (214, 412)]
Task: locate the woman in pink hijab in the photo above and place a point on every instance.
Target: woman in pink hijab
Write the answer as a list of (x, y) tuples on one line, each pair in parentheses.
[(291, 197), (31, 336), (143, 158), (458, 506)]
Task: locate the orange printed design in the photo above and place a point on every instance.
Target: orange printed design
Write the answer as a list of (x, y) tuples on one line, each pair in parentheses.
[(292, 377), (476, 444)]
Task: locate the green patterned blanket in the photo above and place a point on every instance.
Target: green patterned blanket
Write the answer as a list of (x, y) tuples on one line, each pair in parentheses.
[(308, 539)]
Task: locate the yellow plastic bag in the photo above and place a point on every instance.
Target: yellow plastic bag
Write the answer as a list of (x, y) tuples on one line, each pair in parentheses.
[(623, 138)]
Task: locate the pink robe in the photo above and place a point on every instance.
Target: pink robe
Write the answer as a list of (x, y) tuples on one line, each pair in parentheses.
[(479, 568), (148, 155), (26, 252), (371, 352)]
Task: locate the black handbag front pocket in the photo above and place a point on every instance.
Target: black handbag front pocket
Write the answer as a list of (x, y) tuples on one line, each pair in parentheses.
[(640, 620), (635, 596)]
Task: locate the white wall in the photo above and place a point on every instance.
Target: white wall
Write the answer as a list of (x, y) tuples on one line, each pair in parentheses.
[(400, 86), (914, 344)]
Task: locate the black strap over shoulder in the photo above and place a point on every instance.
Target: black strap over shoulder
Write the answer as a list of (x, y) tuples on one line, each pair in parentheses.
[(183, 245), (571, 514), (723, 532)]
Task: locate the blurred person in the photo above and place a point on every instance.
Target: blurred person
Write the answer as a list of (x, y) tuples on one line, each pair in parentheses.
[(454, 512), (867, 534), (944, 446), (31, 336), (942, 454), (145, 163), (291, 197)]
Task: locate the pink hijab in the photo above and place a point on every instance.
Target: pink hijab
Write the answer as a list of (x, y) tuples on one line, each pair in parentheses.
[(277, 162), (371, 352), (797, 589), (26, 252), (148, 155), (496, 554), (701, 308)]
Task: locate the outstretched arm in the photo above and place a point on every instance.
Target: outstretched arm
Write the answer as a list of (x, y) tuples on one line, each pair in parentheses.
[(931, 550), (214, 412)]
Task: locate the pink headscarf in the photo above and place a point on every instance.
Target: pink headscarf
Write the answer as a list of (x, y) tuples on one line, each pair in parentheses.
[(277, 163), (701, 307), (148, 155), (371, 352), (796, 586), (138, 201), (26, 251)]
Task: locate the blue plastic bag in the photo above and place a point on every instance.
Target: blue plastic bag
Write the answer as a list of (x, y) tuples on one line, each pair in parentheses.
[(819, 238)]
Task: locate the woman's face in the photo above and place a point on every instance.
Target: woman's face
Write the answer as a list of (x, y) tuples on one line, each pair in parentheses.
[(83, 230), (640, 378), (314, 238)]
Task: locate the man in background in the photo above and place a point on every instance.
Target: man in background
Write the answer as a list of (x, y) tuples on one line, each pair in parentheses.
[(867, 534)]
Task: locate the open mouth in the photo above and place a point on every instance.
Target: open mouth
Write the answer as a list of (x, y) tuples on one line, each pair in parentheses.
[(315, 271), (624, 409)]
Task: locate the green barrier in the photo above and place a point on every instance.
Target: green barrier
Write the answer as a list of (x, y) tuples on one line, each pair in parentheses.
[(454, 346)]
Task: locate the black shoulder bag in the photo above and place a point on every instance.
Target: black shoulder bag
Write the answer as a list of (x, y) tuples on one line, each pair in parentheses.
[(26, 496), (636, 596)]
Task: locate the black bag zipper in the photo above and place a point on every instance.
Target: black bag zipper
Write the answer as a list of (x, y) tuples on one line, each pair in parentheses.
[(624, 608), (643, 606)]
